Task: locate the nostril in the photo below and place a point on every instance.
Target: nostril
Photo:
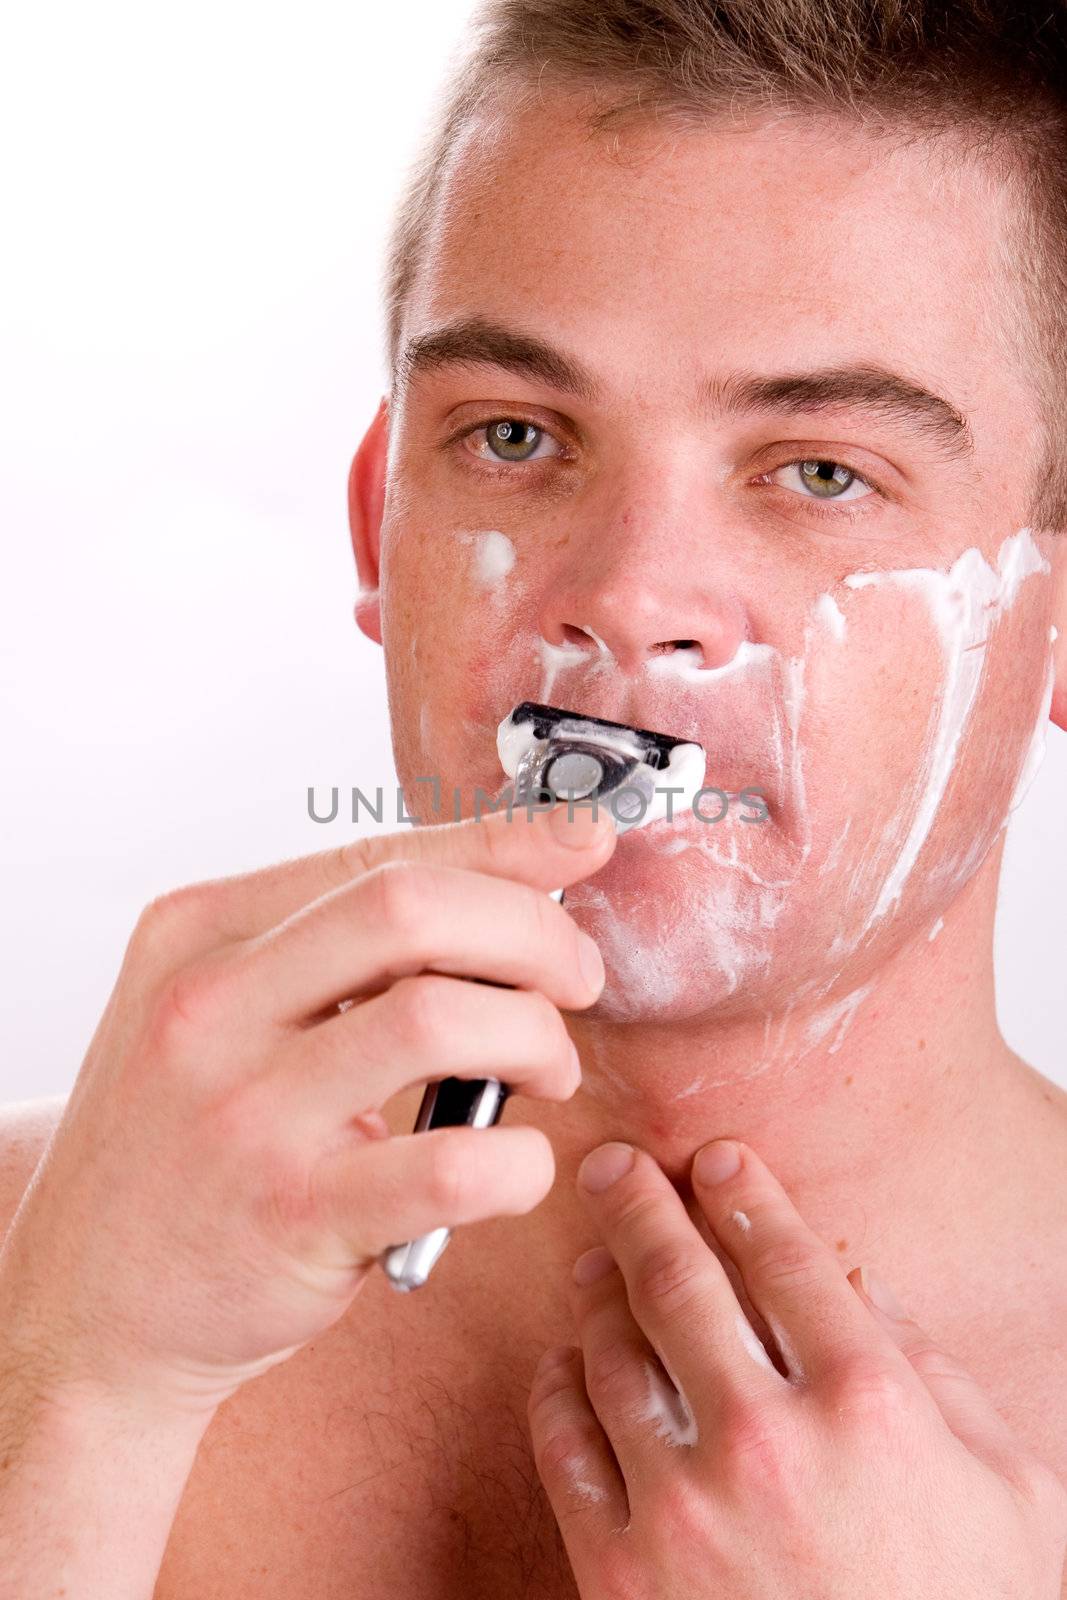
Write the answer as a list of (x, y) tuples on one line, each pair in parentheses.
[(572, 635), (673, 644)]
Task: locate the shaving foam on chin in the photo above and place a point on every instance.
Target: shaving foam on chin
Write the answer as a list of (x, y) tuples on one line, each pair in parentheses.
[(550, 753)]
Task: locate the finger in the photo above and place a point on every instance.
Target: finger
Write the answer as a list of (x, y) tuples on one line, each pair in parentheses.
[(574, 1460), (408, 917), (677, 1289), (639, 1406), (790, 1275), (419, 1031), (547, 847), (962, 1401), (365, 1196)]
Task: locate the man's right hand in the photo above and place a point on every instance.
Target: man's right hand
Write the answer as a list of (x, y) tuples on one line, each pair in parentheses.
[(221, 1183)]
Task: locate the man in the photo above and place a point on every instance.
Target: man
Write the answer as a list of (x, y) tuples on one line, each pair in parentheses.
[(727, 403)]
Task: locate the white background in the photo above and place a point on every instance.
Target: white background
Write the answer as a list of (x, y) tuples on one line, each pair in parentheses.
[(193, 203)]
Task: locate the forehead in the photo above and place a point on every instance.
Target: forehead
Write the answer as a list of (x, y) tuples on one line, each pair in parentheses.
[(778, 242)]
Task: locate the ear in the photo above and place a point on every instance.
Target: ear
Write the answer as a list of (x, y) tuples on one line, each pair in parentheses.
[(366, 500), (1058, 708)]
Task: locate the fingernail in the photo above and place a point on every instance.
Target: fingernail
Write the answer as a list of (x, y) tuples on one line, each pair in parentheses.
[(717, 1162), (576, 824), (881, 1294), (594, 1264), (590, 962), (604, 1166)]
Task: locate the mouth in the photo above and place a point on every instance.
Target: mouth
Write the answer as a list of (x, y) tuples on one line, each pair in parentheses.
[(554, 751)]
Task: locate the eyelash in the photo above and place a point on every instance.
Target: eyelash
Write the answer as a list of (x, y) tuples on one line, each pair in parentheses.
[(830, 508)]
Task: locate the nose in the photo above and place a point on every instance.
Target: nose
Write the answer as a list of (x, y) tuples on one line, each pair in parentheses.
[(640, 607)]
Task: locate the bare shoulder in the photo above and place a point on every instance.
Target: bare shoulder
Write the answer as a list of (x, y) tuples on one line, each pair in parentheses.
[(25, 1129)]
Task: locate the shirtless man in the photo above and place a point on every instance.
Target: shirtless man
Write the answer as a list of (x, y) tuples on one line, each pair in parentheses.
[(745, 427)]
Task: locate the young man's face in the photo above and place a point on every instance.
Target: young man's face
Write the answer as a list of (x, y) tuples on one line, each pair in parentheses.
[(653, 548)]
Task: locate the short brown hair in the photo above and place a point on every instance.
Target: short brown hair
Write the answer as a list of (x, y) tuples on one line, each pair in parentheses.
[(990, 75)]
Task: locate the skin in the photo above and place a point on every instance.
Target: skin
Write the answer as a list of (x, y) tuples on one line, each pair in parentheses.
[(242, 1117), (646, 522), (777, 1479)]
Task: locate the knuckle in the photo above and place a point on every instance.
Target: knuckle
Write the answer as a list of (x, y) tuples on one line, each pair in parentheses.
[(787, 1259), (422, 1010), (171, 919), (666, 1277), (449, 1178), (611, 1373), (549, 1381), (680, 1506), (870, 1394), (196, 997), (563, 1454), (403, 895)]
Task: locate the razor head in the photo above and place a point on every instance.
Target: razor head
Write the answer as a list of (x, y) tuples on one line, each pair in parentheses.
[(552, 753)]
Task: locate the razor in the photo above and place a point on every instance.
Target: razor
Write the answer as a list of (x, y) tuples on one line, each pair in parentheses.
[(551, 754)]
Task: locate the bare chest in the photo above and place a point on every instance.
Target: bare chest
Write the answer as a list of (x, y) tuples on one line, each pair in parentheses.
[(393, 1475), (339, 1478)]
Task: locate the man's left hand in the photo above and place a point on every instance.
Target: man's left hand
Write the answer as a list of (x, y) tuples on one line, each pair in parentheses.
[(680, 1462)]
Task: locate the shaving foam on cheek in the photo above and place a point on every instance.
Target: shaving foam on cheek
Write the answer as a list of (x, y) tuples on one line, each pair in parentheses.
[(494, 556), (828, 611), (732, 911), (965, 603)]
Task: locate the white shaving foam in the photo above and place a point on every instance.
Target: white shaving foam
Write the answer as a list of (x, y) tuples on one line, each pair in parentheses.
[(838, 1015), (555, 658), (668, 1408), (964, 603), (494, 556), (829, 612), (753, 1344), (788, 1350), (687, 662), (592, 1493)]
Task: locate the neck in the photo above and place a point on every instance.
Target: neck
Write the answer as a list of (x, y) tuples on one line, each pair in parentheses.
[(899, 1127), (844, 1095)]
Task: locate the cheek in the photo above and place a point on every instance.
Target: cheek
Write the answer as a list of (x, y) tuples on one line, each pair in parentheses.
[(914, 722), (453, 611), (959, 723)]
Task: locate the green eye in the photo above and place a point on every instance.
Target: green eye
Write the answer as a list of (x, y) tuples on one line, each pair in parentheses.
[(511, 439), (827, 479)]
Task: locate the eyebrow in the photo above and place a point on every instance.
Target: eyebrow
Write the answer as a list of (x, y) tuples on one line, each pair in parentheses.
[(474, 341)]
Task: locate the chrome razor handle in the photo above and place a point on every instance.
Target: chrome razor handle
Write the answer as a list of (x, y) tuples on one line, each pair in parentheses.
[(451, 1103)]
